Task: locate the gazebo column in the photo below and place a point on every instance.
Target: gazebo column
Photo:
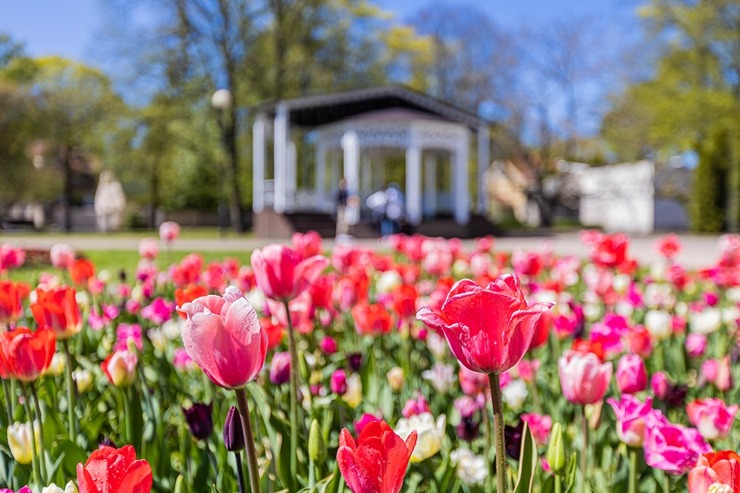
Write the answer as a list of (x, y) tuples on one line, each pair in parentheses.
[(321, 173), (430, 184), (366, 173), (460, 180), (484, 161), (258, 164), (291, 176), (413, 184), (351, 148), (281, 158)]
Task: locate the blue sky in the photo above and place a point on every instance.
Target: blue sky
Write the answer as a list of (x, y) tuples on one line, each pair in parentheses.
[(68, 27)]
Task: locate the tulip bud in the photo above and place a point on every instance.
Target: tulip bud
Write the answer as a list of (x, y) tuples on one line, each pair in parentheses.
[(316, 445), (556, 450), (19, 441), (233, 431), (355, 361), (395, 378), (339, 382), (200, 420)]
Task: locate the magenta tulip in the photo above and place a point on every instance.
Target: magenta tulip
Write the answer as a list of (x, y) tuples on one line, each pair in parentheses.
[(634, 417), (224, 337), (488, 329), (631, 374), (673, 448), (282, 273), (583, 378)]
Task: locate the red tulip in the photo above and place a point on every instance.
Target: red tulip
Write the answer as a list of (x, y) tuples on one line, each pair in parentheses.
[(57, 308), (308, 244), (81, 271), (12, 295), (110, 470), (282, 273), (188, 293), (224, 337), (26, 355), (377, 462), (371, 319), (722, 468), (488, 329)]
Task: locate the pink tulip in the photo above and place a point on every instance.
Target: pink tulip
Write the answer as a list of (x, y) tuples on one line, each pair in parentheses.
[(696, 345), (712, 417), (282, 273), (415, 406), (488, 329), (659, 384), (338, 382), (673, 448), (328, 345), (583, 378), (126, 333), (182, 361), (62, 255), (539, 425), (169, 231), (308, 244), (365, 420), (715, 469), (224, 337), (148, 248), (158, 311), (631, 374), (634, 417), (668, 246), (472, 382), (723, 380)]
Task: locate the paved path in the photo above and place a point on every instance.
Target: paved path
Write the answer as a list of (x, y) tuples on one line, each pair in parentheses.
[(698, 251)]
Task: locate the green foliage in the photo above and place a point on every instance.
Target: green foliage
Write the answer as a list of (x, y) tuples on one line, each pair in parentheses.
[(709, 195)]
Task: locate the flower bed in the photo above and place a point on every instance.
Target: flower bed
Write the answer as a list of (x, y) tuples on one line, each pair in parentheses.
[(368, 371)]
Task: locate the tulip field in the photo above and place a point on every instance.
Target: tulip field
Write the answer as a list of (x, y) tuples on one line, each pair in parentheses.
[(429, 365)]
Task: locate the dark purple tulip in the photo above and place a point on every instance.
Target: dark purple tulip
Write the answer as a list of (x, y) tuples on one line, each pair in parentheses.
[(280, 368), (103, 440), (468, 429), (675, 396), (513, 442), (200, 420), (233, 431), (355, 361)]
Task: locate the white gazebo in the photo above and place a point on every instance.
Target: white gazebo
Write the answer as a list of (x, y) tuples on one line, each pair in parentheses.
[(352, 134)]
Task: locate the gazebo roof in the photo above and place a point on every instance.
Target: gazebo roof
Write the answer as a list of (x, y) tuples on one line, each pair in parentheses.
[(323, 109)]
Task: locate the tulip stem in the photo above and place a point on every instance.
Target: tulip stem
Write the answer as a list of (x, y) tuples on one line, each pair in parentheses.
[(34, 451), (71, 393), (632, 486), (584, 452), (293, 395), (498, 424), (9, 397), (40, 417), (254, 472), (239, 470)]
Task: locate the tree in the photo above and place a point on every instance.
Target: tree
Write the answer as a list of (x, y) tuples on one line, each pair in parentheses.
[(709, 196)]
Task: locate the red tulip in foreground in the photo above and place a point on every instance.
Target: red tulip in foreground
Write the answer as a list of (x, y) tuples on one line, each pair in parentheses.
[(716, 471), (224, 337), (26, 355), (377, 462), (110, 470), (489, 330)]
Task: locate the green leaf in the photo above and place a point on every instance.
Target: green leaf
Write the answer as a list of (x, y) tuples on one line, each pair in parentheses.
[(570, 475), (527, 462)]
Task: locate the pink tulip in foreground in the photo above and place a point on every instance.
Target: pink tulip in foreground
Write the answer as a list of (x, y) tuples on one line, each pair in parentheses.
[(488, 329), (634, 417), (673, 448), (715, 469), (583, 378), (224, 337), (282, 273)]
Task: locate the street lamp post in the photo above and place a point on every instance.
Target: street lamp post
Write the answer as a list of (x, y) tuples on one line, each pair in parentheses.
[(222, 101)]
